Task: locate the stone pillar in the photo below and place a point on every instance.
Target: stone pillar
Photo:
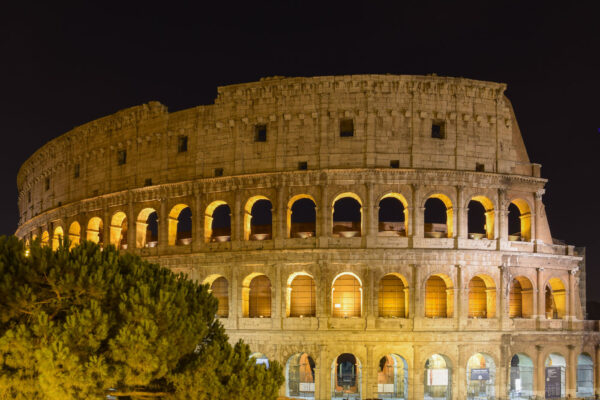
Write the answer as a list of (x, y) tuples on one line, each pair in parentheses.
[(234, 293), (323, 382), (461, 212), (572, 294), (541, 293), (279, 216), (369, 376), (326, 218), (539, 387), (416, 301), (237, 218), (461, 311), (417, 214), (371, 217), (163, 225), (198, 221), (501, 297), (131, 224), (537, 206), (571, 372)]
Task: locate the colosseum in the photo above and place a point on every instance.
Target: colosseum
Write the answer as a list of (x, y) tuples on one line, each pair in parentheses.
[(381, 236)]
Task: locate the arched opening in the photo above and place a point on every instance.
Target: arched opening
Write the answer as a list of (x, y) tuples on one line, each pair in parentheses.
[(556, 299), (346, 377), (481, 377), (392, 378), (521, 377), (219, 287), (347, 216), (256, 296), (585, 376), (301, 296), (393, 297), (57, 237), (520, 298), (45, 238), (482, 297), (146, 232), (302, 217), (519, 221), (95, 230), (346, 293), (438, 378), (217, 222), (393, 215), (180, 225), (258, 219), (260, 359), (300, 376), (555, 376), (438, 218), (481, 218), (118, 230), (74, 234), (439, 297)]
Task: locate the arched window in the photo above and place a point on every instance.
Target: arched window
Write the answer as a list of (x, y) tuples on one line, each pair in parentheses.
[(482, 297), (520, 299), (393, 215), (260, 359), (393, 297), (392, 378), (146, 233), (95, 230), (585, 376), (301, 296), (74, 234), (300, 374), (481, 377), (439, 297), (438, 377), (521, 377), (438, 218), (347, 296), (217, 222), (346, 376), (57, 237), (555, 375), (556, 299), (347, 216), (220, 289), (481, 218), (45, 238), (519, 221), (256, 296), (118, 230), (180, 225), (301, 217), (258, 219)]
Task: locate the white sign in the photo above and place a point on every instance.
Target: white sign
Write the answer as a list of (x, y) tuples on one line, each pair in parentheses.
[(518, 384), (307, 387), (437, 377)]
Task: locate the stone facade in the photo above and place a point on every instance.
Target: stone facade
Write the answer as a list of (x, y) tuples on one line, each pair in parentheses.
[(366, 138)]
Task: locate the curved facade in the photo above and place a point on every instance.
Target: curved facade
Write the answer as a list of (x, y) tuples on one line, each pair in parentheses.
[(381, 236)]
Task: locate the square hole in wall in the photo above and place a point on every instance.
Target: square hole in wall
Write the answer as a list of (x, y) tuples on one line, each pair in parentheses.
[(218, 172), (29, 196), (148, 182), (47, 184), (76, 171), (479, 167), (394, 163), (438, 130), (182, 144), (346, 127), (260, 133), (121, 157), (302, 165)]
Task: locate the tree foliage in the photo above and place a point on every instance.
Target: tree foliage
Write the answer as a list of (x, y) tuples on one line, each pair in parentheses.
[(87, 322)]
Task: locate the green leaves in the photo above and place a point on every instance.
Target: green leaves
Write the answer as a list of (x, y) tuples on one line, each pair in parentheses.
[(77, 323)]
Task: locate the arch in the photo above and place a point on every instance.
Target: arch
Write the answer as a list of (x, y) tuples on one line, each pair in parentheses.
[(439, 297), (260, 359), (217, 222), (393, 215), (45, 238), (481, 218), (146, 230), (437, 226), (74, 234), (180, 225), (57, 237), (300, 376), (256, 296), (555, 375), (258, 218), (301, 216), (346, 377), (482, 297), (393, 296), (346, 215), (392, 377), (556, 299), (585, 376), (219, 287), (519, 217), (481, 377), (438, 378), (521, 377), (118, 230), (520, 298), (346, 295), (95, 230), (301, 296)]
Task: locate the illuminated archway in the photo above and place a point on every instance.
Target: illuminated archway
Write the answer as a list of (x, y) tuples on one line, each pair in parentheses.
[(347, 215), (520, 299), (438, 378), (439, 297), (393, 215), (521, 377), (346, 377), (217, 222), (118, 230), (95, 230), (556, 299), (481, 218), (346, 294), (146, 230), (438, 216), (392, 378), (180, 225), (481, 377), (258, 219), (45, 238), (57, 237), (74, 234), (256, 296), (519, 220), (556, 367), (219, 287), (482, 297), (301, 296), (300, 376), (301, 216), (393, 296)]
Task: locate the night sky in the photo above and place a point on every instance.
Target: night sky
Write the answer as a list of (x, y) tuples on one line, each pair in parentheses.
[(62, 65)]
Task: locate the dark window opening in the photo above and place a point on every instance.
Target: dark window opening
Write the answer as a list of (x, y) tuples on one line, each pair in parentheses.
[(47, 184), (480, 167), (29, 196), (392, 217), (303, 219), (436, 216), (514, 220), (303, 165), (182, 144), (184, 226), (476, 217), (394, 163), (260, 133), (95, 192), (221, 223), (148, 182), (261, 220), (152, 229), (437, 130), (347, 217), (121, 157), (76, 173), (218, 172), (346, 128)]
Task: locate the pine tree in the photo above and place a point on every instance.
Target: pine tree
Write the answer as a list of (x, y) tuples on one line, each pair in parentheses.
[(90, 322)]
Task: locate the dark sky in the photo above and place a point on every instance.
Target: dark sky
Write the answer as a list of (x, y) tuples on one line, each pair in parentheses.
[(62, 65)]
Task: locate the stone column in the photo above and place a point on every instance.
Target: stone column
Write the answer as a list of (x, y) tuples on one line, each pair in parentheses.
[(326, 218), (416, 300), (502, 216), (131, 224), (371, 218), (369, 376), (198, 221), (461, 212), (535, 221), (237, 218), (279, 216), (105, 227), (571, 372), (572, 294), (323, 376), (501, 296), (461, 311), (163, 225), (541, 293), (539, 387), (417, 228)]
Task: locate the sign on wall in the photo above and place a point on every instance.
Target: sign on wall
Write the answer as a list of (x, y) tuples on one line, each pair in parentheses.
[(553, 382), (480, 374), (437, 377)]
